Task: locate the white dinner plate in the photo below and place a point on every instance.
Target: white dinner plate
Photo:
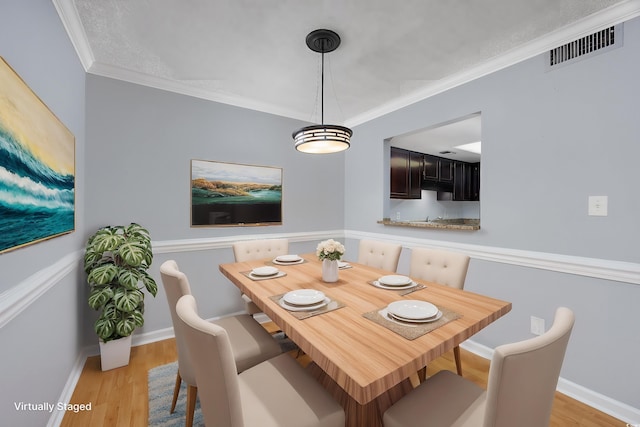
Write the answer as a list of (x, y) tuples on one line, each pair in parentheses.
[(288, 258), (427, 320), (303, 297), (290, 307), (410, 285), (394, 280), (264, 271), (413, 309)]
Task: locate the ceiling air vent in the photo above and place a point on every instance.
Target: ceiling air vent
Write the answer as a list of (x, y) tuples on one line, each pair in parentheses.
[(597, 42)]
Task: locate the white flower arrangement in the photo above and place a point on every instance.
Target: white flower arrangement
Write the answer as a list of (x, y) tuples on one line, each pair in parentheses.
[(330, 249)]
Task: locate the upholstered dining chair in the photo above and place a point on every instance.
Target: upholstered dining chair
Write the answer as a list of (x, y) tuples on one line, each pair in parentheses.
[(521, 385), (443, 267), (275, 393), (250, 342), (379, 254), (250, 250)]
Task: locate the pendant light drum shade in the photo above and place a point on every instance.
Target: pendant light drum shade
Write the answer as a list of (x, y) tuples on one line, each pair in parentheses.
[(322, 138)]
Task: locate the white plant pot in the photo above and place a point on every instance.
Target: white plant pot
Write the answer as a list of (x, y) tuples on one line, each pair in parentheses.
[(115, 353), (330, 270)]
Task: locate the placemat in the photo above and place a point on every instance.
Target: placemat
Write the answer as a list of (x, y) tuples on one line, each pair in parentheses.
[(413, 330), (300, 315), (400, 292), (256, 278)]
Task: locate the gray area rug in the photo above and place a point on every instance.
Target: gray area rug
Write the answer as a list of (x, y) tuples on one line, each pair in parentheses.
[(161, 381)]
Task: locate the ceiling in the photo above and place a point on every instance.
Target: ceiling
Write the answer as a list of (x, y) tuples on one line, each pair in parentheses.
[(252, 53), (443, 140)]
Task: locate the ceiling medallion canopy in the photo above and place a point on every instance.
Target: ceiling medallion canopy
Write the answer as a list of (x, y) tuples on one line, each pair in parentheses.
[(322, 138)]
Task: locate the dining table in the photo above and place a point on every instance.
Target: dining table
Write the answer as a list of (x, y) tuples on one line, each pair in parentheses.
[(364, 358)]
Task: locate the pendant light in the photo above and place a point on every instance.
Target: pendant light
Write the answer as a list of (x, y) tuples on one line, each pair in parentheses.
[(322, 138)]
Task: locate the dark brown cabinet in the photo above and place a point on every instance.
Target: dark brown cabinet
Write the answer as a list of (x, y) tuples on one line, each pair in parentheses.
[(437, 173), (437, 169), (406, 172), (466, 186)]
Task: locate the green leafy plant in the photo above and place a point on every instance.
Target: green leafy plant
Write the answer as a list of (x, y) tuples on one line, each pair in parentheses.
[(116, 261)]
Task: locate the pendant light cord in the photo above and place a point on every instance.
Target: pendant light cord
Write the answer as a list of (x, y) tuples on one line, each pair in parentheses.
[(322, 92)]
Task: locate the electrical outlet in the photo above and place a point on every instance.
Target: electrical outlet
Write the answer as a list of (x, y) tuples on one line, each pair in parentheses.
[(537, 325)]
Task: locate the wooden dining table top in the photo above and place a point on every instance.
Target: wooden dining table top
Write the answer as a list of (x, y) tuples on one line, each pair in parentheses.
[(361, 356)]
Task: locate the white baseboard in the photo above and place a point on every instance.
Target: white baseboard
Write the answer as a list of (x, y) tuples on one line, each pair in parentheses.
[(16, 299), (67, 391), (619, 410)]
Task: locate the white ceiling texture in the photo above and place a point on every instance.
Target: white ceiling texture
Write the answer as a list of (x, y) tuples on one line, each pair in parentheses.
[(252, 53)]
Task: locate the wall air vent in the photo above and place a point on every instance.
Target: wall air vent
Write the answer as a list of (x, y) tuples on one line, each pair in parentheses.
[(599, 42)]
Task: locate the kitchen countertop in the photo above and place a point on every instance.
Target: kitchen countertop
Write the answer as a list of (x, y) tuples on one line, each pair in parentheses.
[(446, 224)]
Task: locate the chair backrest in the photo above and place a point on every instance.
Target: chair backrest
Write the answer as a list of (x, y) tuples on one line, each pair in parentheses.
[(379, 254), (439, 266), (249, 250), (214, 365), (523, 376), (176, 285)]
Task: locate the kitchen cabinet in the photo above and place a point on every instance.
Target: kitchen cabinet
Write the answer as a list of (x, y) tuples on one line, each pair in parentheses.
[(466, 186), (437, 169), (406, 173)]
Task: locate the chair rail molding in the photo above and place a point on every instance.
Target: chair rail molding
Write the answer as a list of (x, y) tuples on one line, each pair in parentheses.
[(618, 271), (14, 300)]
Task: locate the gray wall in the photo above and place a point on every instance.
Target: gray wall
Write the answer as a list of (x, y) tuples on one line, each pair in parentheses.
[(41, 344), (142, 142), (549, 140)]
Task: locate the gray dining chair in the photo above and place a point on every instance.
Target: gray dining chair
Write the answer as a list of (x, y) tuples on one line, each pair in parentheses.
[(251, 250), (443, 267), (378, 254), (250, 342), (275, 393), (521, 385)]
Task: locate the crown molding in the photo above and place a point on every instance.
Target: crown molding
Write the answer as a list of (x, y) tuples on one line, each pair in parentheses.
[(175, 86), (611, 16), (607, 17), (71, 21)]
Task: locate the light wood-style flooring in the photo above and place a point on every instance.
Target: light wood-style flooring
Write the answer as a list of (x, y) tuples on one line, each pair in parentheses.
[(119, 397)]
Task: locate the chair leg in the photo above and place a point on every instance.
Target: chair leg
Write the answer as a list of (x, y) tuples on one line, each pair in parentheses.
[(176, 391), (422, 374), (456, 354), (192, 393)]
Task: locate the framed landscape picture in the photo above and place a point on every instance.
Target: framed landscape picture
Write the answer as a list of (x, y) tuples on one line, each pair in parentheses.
[(37, 167), (230, 194)]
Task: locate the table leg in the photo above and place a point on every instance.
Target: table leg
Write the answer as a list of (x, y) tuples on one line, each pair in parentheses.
[(357, 414)]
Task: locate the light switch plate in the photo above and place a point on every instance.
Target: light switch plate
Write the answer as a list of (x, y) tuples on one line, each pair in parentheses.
[(598, 205), (537, 325)]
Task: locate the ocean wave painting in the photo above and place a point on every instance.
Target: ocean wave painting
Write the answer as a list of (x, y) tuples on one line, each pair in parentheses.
[(235, 194), (37, 165)]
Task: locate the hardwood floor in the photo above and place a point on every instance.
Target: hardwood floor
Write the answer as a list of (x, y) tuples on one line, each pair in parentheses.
[(119, 397)]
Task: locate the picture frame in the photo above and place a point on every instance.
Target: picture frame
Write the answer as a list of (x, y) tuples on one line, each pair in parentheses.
[(37, 167), (234, 194)]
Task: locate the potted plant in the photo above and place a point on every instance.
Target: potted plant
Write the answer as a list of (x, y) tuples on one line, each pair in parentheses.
[(116, 261)]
